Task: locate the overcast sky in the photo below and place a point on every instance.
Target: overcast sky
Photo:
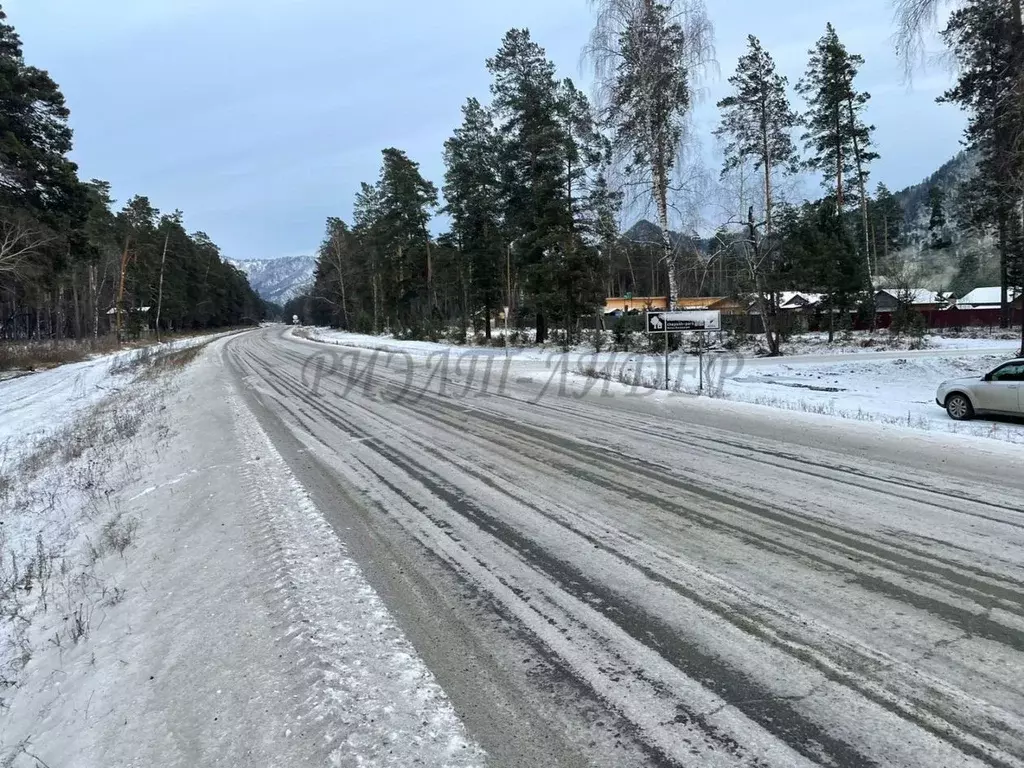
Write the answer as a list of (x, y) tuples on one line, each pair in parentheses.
[(259, 119)]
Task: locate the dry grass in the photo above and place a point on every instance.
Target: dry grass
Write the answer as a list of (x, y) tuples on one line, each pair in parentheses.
[(39, 355), (34, 355)]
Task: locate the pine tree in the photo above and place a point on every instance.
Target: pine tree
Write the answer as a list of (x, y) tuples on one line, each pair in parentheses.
[(837, 139), (473, 190), (35, 139), (66, 258), (369, 235), (984, 36), (646, 55), (937, 218), (537, 212), (886, 223), (406, 200), (604, 205), (757, 122), (822, 254)]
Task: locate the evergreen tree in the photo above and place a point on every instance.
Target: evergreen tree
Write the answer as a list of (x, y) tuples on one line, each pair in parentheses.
[(35, 139), (886, 221), (646, 56), (985, 38), (537, 211), (757, 122), (821, 254), (604, 206), (473, 191), (937, 218), (967, 271), (405, 202), (369, 235), (937, 205), (837, 138), (66, 258)]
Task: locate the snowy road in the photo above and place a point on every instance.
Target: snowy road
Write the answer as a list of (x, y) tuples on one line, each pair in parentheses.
[(613, 580)]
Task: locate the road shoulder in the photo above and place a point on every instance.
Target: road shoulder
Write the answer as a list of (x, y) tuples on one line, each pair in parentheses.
[(244, 634)]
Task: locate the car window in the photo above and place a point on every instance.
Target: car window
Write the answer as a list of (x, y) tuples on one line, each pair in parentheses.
[(1009, 372)]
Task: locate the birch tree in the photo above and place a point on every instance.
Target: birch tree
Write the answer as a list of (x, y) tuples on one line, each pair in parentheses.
[(647, 57)]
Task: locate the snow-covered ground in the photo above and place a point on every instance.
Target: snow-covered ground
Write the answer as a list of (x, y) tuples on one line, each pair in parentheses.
[(170, 596), (870, 378), (35, 405), (898, 390), (882, 341)]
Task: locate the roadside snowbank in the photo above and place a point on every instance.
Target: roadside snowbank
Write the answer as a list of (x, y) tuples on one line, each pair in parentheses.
[(863, 383)]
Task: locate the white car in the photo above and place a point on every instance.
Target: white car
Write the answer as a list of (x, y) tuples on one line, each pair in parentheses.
[(1000, 391)]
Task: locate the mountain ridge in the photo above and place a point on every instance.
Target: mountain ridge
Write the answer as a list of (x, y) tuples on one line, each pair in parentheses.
[(278, 280)]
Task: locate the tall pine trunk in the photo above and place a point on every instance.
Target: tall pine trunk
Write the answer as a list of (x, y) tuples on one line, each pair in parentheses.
[(768, 308), (77, 321), (863, 193), (1004, 272), (94, 301)]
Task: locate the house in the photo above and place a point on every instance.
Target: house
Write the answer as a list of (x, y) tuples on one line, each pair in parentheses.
[(615, 305), (131, 317), (796, 300), (723, 304), (990, 298), (921, 299), (629, 303)]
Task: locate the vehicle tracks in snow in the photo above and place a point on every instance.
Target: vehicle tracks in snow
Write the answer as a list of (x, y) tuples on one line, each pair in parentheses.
[(729, 602)]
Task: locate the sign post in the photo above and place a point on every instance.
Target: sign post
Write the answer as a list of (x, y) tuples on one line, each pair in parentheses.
[(699, 321)]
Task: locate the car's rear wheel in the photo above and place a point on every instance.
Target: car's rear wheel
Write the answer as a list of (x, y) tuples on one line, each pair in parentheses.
[(959, 407)]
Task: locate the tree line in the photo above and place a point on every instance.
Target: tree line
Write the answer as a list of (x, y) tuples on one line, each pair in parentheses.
[(71, 266), (537, 181)]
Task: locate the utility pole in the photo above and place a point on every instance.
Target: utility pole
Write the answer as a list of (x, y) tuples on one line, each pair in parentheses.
[(160, 291)]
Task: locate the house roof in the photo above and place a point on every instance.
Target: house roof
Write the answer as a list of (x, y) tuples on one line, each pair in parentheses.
[(699, 302), (918, 295), (989, 295), (790, 299)]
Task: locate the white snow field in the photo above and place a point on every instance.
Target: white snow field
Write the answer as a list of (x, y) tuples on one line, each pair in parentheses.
[(190, 606)]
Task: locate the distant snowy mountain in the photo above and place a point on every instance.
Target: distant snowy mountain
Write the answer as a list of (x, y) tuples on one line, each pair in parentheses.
[(278, 280)]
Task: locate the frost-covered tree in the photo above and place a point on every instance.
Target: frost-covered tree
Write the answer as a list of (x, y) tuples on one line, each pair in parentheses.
[(647, 56)]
